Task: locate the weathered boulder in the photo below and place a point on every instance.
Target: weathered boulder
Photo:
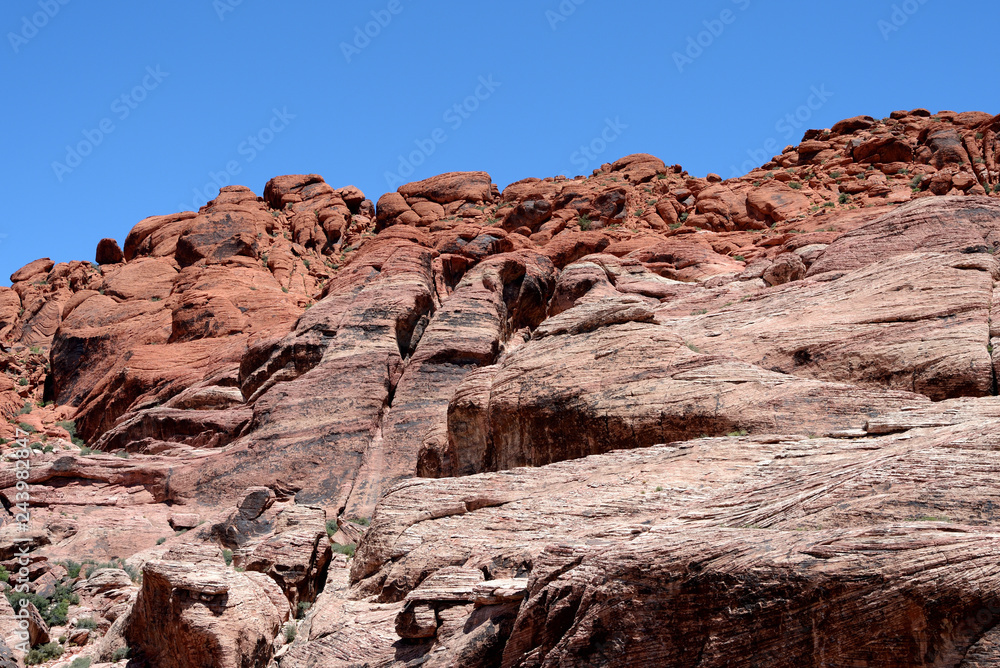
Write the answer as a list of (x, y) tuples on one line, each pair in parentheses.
[(108, 252), (775, 202), (193, 610), (786, 268), (451, 187), (297, 556)]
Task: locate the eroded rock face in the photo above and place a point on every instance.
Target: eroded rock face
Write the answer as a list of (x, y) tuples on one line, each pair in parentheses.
[(297, 556), (956, 224), (602, 376), (273, 370), (918, 322), (302, 406), (670, 533)]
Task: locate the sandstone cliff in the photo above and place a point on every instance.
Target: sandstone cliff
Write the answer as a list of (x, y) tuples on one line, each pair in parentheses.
[(637, 418)]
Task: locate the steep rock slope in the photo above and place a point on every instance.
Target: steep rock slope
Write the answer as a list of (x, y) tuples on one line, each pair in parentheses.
[(759, 411)]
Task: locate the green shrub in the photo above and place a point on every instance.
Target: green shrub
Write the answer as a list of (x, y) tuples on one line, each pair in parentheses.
[(739, 258), (585, 223), (15, 598), (121, 653), (81, 662), (345, 549), (290, 632), (68, 425), (72, 568), (4, 574), (53, 611), (22, 381), (227, 556), (59, 614), (794, 185), (43, 653), (363, 521), (683, 217), (90, 567), (302, 609), (844, 198), (25, 427), (86, 623), (133, 572), (738, 432), (161, 540)]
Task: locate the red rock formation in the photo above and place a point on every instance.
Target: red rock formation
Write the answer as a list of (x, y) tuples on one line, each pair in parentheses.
[(309, 346), (193, 610)]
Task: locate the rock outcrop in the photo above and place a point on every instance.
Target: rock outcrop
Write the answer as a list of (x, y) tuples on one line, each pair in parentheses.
[(726, 539), (632, 418), (193, 610)]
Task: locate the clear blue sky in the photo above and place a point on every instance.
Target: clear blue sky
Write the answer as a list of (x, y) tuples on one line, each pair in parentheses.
[(194, 91)]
